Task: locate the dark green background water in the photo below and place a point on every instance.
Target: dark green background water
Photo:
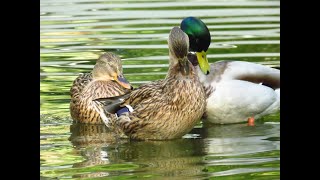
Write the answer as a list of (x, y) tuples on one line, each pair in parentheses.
[(75, 32)]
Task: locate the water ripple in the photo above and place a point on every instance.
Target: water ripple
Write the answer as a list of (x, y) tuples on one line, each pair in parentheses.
[(74, 33)]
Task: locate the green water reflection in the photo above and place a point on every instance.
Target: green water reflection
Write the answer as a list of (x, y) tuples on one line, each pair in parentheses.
[(74, 34)]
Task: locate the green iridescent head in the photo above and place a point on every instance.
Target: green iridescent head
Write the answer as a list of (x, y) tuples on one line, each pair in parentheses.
[(199, 40)]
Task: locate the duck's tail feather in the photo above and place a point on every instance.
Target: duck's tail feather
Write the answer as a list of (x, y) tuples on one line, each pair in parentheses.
[(99, 107)]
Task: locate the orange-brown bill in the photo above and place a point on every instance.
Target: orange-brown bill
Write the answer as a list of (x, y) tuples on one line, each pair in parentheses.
[(123, 82)]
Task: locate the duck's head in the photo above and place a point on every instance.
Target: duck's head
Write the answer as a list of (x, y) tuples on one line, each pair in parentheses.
[(199, 40), (109, 67), (178, 50)]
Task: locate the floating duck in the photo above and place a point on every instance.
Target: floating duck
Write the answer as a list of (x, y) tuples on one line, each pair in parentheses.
[(105, 80), (237, 91)]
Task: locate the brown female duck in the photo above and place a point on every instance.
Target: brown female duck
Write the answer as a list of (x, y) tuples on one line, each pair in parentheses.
[(164, 109), (105, 80)]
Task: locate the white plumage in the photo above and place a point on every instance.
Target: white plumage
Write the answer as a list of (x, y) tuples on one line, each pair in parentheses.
[(238, 90)]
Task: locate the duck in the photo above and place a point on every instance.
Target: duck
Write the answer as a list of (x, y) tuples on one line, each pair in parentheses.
[(164, 109), (237, 91), (105, 80)]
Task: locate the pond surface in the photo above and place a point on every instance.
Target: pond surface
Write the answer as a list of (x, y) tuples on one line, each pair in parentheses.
[(75, 32)]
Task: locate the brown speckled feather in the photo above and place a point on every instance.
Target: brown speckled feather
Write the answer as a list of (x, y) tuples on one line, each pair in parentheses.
[(165, 109), (102, 82)]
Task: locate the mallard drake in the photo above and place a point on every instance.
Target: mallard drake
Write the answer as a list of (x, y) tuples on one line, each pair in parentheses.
[(199, 40), (105, 80), (236, 91), (164, 109)]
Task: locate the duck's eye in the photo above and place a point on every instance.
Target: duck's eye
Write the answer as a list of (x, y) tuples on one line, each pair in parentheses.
[(193, 59)]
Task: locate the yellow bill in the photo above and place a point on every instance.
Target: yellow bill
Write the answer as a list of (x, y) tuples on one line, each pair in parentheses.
[(203, 62)]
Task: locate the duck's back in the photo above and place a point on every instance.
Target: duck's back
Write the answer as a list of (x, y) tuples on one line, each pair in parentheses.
[(78, 84), (164, 112), (247, 71)]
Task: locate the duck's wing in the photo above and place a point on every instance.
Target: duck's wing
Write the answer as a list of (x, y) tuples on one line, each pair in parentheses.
[(247, 71), (112, 104), (144, 92)]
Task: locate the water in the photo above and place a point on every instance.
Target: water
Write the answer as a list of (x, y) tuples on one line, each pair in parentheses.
[(75, 32)]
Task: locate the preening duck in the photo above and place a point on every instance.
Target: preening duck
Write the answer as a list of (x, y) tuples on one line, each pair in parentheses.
[(105, 80)]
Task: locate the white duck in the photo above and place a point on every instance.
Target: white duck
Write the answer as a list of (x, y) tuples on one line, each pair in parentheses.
[(237, 91)]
